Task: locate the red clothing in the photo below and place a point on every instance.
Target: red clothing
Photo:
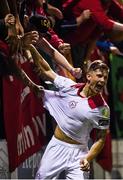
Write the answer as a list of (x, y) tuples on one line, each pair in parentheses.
[(98, 18), (55, 40)]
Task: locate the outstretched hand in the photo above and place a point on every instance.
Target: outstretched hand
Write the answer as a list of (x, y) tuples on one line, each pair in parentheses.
[(84, 165), (76, 72), (29, 38), (9, 20), (64, 48)]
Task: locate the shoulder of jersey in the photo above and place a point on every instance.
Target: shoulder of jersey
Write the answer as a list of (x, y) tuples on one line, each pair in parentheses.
[(78, 85), (96, 101)]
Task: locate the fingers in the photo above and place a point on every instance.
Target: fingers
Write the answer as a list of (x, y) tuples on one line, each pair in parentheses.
[(76, 72), (84, 165), (9, 19), (64, 48), (87, 14), (35, 36), (30, 38)]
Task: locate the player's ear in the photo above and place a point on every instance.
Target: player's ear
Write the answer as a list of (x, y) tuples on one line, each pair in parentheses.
[(88, 77)]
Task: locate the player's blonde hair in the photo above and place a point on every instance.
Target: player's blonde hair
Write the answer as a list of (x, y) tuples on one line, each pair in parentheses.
[(97, 64)]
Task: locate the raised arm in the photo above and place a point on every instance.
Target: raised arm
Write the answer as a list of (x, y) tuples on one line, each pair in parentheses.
[(59, 58), (43, 68), (94, 150)]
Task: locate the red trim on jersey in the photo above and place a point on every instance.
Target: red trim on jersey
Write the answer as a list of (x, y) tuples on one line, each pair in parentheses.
[(80, 86), (96, 101)]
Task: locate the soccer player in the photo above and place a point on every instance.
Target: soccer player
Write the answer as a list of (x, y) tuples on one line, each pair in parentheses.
[(77, 109)]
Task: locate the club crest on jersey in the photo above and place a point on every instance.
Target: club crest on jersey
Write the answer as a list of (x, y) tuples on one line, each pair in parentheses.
[(72, 104)]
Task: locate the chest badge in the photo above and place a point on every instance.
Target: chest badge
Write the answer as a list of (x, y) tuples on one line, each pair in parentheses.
[(72, 104)]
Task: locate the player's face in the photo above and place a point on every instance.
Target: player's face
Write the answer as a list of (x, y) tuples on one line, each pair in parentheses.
[(97, 80)]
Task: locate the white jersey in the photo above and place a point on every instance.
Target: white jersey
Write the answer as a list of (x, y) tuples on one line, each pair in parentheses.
[(76, 115)]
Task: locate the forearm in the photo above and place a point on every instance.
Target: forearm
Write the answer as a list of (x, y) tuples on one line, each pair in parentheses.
[(117, 27), (95, 150), (20, 74), (57, 57), (91, 47), (97, 146), (61, 60), (44, 70), (117, 32)]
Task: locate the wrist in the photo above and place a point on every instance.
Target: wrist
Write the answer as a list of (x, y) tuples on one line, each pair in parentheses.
[(71, 70), (60, 44)]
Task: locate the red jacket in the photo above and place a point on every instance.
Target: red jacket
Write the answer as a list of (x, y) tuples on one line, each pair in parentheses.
[(101, 18), (55, 40)]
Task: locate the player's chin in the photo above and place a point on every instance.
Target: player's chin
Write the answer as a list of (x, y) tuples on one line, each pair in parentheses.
[(98, 90)]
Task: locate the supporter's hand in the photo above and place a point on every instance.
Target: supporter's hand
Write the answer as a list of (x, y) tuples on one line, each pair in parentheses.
[(64, 48), (86, 14), (84, 165), (17, 43), (26, 21), (18, 26), (115, 51), (29, 38), (9, 20), (76, 72)]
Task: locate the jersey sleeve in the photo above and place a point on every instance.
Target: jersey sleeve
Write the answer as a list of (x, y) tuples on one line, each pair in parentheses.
[(101, 119), (62, 83)]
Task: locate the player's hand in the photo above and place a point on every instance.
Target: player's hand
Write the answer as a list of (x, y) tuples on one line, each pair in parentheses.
[(76, 72), (64, 48), (84, 165), (38, 90)]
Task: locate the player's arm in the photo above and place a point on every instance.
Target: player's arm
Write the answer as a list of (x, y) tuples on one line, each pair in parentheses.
[(21, 75), (42, 67), (59, 58), (94, 150)]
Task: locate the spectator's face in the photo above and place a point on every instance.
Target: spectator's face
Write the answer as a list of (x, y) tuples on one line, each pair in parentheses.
[(97, 80)]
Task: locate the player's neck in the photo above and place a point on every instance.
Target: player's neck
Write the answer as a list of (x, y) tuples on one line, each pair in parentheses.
[(86, 91)]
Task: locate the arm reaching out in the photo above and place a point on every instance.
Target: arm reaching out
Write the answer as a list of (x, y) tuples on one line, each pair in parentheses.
[(60, 59)]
